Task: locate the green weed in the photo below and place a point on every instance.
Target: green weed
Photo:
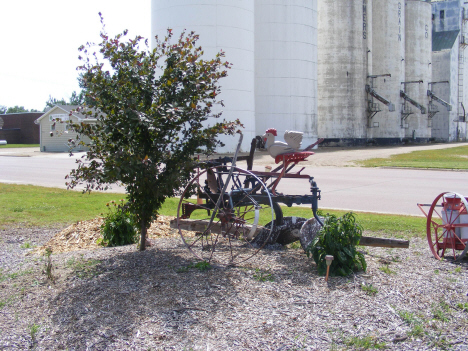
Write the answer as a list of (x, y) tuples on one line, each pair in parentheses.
[(439, 312), (386, 269), (408, 317), (48, 267), (295, 245), (416, 330), (26, 245), (201, 266), (84, 269), (369, 289), (33, 329), (263, 276), (4, 277), (439, 342), (365, 343), (463, 306)]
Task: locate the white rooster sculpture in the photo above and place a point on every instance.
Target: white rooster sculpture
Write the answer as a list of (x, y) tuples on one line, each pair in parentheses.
[(275, 148)]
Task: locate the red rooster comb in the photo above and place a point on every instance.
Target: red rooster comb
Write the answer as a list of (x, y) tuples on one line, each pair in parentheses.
[(272, 131)]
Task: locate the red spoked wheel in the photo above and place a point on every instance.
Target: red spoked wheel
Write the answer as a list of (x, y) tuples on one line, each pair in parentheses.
[(447, 225)]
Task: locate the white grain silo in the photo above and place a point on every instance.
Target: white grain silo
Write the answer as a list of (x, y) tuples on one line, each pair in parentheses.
[(342, 71), (286, 66), (388, 58), (418, 69), (222, 25)]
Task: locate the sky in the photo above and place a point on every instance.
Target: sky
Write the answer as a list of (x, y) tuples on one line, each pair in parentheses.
[(39, 42)]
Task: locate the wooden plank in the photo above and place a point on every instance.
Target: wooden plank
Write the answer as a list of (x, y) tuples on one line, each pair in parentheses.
[(384, 242), (200, 226), (196, 225)]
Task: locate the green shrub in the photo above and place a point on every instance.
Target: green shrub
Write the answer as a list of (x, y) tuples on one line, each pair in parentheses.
[(338, 237), (119, 227)]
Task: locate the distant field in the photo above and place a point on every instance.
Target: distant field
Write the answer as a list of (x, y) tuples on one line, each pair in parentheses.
[(451, 158), (10, 146)]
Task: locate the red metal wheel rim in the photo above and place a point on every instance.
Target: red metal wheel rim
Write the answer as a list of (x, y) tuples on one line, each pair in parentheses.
[(442, 226)]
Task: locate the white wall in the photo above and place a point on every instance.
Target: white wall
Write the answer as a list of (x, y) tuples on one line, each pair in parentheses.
[(418, 66), (388, 55), (286, 67), (222, 25), (342, 69)]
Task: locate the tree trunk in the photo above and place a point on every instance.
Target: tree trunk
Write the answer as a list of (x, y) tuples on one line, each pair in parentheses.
[(143, 236)]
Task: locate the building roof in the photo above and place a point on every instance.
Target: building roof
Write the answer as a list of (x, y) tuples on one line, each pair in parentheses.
[(65, 109), (444, 40)]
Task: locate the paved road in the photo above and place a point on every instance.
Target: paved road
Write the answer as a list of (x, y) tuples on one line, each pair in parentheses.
[(383, 190), (350, 188)]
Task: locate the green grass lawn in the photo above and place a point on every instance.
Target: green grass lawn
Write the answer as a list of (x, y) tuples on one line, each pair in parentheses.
[(451, 158), (39, 206), (27, 205), (10, 146)]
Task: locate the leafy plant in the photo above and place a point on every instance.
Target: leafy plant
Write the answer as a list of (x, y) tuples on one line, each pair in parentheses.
[(386, 269), (416, 330), (262, 276), (151, 111), (365, 343), (119, 226), (201, 266), (26, 245), (438, 312), (463, 306), (33, 329), (369, 289), (338, 237), (408, 317)]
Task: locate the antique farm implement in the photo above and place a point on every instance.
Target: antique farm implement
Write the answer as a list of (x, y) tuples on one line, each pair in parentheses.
[(447, 225), (227, 214)]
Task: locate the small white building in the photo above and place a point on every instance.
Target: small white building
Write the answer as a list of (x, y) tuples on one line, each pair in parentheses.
[(55, 132)]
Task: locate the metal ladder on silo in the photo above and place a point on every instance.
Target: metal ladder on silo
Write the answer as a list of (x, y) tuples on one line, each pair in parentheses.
[(461, 64)]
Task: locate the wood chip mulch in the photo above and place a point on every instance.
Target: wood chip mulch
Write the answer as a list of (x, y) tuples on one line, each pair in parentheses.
[(122, 299), (85, 234)]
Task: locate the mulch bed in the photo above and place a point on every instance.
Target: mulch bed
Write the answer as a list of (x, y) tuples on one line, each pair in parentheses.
[(123, 299)]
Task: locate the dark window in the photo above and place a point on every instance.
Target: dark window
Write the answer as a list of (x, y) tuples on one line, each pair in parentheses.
[(442, 14)]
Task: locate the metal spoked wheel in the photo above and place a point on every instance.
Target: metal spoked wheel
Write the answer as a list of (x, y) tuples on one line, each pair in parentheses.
[(447, 225), (218, 226)]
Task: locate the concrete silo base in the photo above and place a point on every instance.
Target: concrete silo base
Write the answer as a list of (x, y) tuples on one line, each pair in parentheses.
[(374, 142)]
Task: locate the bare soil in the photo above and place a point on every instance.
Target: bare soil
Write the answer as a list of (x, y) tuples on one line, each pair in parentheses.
[(122, 299)]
